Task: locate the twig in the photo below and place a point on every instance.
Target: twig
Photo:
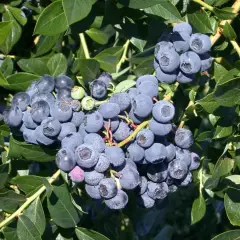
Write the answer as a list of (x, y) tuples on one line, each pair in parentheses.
[(84, 45), (203, 4), (7, 56), (124, 56), (235, 46)]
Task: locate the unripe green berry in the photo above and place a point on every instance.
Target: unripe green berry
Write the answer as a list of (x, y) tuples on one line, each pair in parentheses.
[(77, 93), (88, 103)]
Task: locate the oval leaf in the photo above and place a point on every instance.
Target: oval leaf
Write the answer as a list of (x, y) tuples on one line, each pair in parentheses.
[(124, 86), (57, 64), (198, 209), (88, 234)]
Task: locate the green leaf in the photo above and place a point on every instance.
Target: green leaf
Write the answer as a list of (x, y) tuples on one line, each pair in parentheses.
[(229, 32), (229, 235), (138, 43), (124, 86), (165, 10), (28, 183), (234, 178), (205, 136), (26, 229), (61, 209), (57, 64), (36, 214), (52, 20), (222, 132), (34, 65), (209, 103), (198, 209), (166, 233), (9, 201), (76, 10), (145, 67), (219, 71), (4, 169), (24, 151), (227, 76), (138, 4), (4, 130), (107, 62), (10, 232), (6, 68), (17, 13), (200, 21), (3, 80), (224, 13), (5, 30), (88, 234), (223, 167), (97, 35)]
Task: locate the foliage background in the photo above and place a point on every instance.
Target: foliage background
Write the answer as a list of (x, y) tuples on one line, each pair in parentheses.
[(80, 38)]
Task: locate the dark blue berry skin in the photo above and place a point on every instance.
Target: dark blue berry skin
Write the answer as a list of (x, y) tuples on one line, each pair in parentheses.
[(180, 41), (145, 138), (72, 141), (135, 152), (183, 155), (172, 188), (22, 100), (29, 136), (122, 99), (145, 201), (77, 118), (109, 110), (41, 138), (93, 122), (134, 117), (32, 89), (39, 111), (96, 141), (148, 88), (165, 77), (129, 178), (61, 111), (157, 190), (171, 151), (163, 111), (183, 138), (160, 129), (51, 127), (65, 159), (122, 132), (195, 161), (142, 105), (190, 62), (47, 97), (142, 187), (146, 78), (157, 153), (28, 121), (106, 78), (66, 128), (93, 177), (183, 27), (186, 181), (206, 61), (46, 84), (157, 172), (114, 123), (177, 169), (103, 163), (132, 92), (163, 45), (200, 43), (118, 202), (63, 81), (185, 78), (82, 130), (108, 188), (115, 155), (64, 95), (93, 191), (98, 89)]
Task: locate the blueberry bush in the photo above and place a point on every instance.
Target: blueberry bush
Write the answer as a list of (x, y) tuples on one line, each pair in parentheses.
[(119, 119)]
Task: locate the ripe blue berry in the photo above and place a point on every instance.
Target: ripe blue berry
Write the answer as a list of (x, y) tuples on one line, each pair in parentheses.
[(22, 100), (206, 61), (72, 141), (41, 138), (66, 128), (134, 117), (195, 161), (200, 43), (77, 118), (63, 81), (169, 181), (98, 89), (145, 138), (165, 77), (145, 201), (65, 159), (163, 44), (61, 111), (180, 41), (118, 202), (183, 27), (122, 132), (13, 116), (76, 174), (183, 138), (82, 130), (39, 111), (32, 89), (93, 191), (142, 187), (171, 152), (183, 155), (106, 78), (122, 99), (96, 141), (47, 97), (142, 105), (29, 136), (160, 129), (109, 110), (186, 181), (64, 95), (157, 172), (103, 163), (115, 155), (148, 88), (46, 84), (177, 169), (163, 111), (108, 188), (93, 122), (146, 78), (135, 152), (157, 153), (172, 188), (132, 92), (114, 123), (185, 78), (157, 190), (86, 156), (93, 177), (28, 121), (190, 62), (51, 127)]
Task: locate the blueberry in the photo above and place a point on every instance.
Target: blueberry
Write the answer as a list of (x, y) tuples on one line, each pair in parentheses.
[(109, 110), (183, 27), (86, 156), (145, 201), (106, 78), (169, 181), (190, 62), (171, 152), (163, 111), (183, 155), (135, 152), (61, 111), (82, 130), (65, 159), (39, 111), (142, 187), (22, 127), (119, 201), (77, 118), (183, 138), (66, 128), (180, 41), (98, 89), (148, 88), (157, 172), (186, 181), (22, 100), (132, 92), (156, 153), (75, 105), (177, 169), (63, 81), (115, 155), (64, 95), (93, 191), (28, 121), (172, 188), (160, 129), (142, 105), (47, 97), (122, 132), (185, 78), (145, 138), (46, 84), (134, 117), (72, 141), (165, 77), (41, 138), (122, 99), (146, 78), (96, 141), (157, 190), (168, 60), (114, 123), (76, 174), (29, 136), (206, 61), (93, 177), (195, 161), (129, 163), (51, 127), (93, 122), (108, 188), (164, 44), (32, 89), (200, 43), (103, 163)]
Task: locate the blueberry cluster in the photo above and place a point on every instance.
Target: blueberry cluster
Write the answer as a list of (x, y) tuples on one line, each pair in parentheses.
[(114, 145), (180, 55)]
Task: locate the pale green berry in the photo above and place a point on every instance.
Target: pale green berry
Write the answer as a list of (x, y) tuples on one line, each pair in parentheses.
[(77, 93), (88, 103)]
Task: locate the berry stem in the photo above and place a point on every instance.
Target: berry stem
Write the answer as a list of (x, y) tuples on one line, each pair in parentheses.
[(84, 45), (7, 56), (29, 200), (124, 55), (235, 46), (203, 4)]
